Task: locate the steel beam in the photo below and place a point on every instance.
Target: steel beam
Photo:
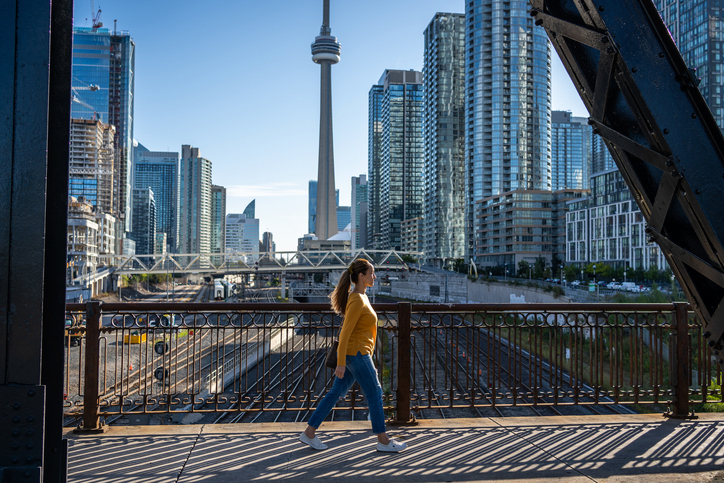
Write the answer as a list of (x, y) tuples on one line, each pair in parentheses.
[(644, 101)]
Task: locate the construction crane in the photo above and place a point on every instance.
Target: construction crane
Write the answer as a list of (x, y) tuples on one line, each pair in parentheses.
[(96, 16)]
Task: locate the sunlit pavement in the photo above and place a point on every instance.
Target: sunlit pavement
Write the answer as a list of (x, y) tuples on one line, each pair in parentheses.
[(565, 448)]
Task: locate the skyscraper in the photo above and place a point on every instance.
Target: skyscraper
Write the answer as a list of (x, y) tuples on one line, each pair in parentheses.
[(194, 202), (144, 221), (242, 235), (103, 88), (696, 27), (508, 107), (344, 217), (358, 213), (571, 151), (250, 210), (91, 163), (374, 159), (267, 242), (218, 219), (159, 170), (325, 52), (398, 161), (443, 236)]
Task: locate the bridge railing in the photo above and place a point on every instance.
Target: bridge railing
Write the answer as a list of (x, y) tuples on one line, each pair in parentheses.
[(169, 360)]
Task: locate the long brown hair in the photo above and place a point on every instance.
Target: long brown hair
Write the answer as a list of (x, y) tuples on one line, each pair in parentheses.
[(341, 291)]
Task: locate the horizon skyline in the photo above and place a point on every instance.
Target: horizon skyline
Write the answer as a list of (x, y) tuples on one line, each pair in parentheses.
[(224, 108)]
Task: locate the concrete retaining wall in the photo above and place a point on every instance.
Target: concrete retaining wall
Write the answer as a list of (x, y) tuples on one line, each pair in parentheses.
[(458, 289)]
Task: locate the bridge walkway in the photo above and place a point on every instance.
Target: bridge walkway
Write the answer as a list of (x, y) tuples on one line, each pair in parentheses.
[(620, 448)]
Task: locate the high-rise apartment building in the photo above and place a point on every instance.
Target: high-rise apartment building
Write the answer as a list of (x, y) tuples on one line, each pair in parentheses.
[(358, 212), (696, 26), (601, 159), (571, 151), (443, 237), (194, 202), (103, 89), (91, 163), (159, 170), (218, 219), (508, 71), (144, 221), (397, 163)]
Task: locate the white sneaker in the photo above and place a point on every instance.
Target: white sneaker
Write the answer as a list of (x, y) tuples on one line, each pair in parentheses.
[(314, 443), (391, 447)]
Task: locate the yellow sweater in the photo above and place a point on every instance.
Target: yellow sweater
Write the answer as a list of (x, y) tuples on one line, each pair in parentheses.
[(359, 329)]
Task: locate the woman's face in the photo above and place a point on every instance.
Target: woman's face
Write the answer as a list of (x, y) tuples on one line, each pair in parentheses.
[(367, 279)]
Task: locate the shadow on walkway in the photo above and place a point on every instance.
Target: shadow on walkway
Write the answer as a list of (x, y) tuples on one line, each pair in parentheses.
[(513, 449)]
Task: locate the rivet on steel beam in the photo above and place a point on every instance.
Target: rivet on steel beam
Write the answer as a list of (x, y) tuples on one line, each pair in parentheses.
[(693, 115), (634, 69), (609, 50), (31, 419), (16, 420), (533, 13), (16, 406), (16, 446), (604, 40), (601, 8), (661, 54), (29, 445), (712, 343), (697, 191), (707, 334), (15, 460), (596, 131), (30, 432), (16, 432), (31, 393), (539, 22), (666, 131)]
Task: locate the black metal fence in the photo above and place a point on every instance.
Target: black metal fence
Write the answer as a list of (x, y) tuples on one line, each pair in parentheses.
[(250, 359)]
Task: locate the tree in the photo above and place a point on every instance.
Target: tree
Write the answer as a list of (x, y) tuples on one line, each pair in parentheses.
[(408, 258), (570, 272), (524, 269), (539, 268)]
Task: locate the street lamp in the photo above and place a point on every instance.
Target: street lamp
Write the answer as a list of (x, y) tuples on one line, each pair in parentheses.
[(594, 279), (505, 275)]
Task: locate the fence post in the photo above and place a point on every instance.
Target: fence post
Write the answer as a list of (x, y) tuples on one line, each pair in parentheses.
[(404, 311), (680, 407), (91, 418)]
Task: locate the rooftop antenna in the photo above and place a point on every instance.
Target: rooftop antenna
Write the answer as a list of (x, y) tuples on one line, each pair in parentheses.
[(96, 16)]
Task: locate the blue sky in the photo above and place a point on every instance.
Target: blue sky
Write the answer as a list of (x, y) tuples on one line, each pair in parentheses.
[(236, 80)]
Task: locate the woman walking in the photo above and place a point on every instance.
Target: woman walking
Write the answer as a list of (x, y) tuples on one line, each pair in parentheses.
[(354, 356)]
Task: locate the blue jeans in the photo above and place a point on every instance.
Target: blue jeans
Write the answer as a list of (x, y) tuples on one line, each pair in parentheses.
[(361, 369)]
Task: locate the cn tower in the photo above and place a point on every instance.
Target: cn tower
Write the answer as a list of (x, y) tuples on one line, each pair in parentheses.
[(325, 52)]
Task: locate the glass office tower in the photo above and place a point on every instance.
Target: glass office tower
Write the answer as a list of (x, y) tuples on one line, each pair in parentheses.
[(571, 151), (103, 88), (508, 72), (144, 221), (159, 170), (697, 27), (398, 161), (374, 158), (443, 236), (359, 211)]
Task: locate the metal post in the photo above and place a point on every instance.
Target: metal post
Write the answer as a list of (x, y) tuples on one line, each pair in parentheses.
[(404, 310), (680, 371), (91, 419)]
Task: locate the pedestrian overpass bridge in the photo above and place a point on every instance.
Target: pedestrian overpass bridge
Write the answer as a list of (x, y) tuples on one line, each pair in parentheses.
[(257, 262)]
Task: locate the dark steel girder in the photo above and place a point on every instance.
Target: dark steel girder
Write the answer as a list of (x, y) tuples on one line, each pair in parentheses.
[(644, 102)]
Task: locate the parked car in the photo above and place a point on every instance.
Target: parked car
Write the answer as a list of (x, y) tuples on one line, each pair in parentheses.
[(575, 283), (614, 286)]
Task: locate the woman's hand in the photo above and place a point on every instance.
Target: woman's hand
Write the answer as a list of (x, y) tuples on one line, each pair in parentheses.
[(339, 371)]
